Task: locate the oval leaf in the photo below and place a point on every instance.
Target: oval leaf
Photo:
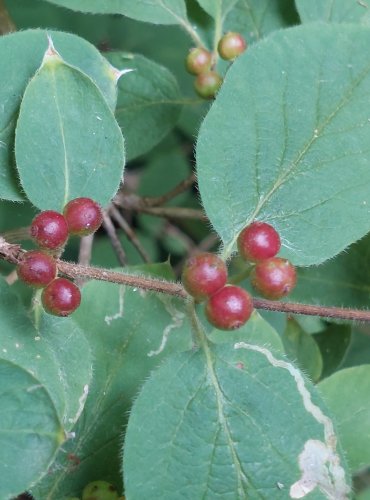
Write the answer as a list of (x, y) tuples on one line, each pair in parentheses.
[(154, 11), (149, 102), (347, 395), (30, 431), (336, 11), (280, 151), (221, 426), (68, 143), (217, 8)]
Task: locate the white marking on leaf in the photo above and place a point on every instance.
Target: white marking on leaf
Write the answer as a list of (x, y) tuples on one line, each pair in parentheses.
[(318, 462), (119, 314), (177, 321), (81, 404)]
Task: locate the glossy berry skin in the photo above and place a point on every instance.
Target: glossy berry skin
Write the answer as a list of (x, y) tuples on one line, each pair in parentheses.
[(49, 230), (231, 46), (229, 308), (83, 215), (198, 61), (258, 241), (37, 269), (274, 278), (207, 84), (203, 275), (61, 297)]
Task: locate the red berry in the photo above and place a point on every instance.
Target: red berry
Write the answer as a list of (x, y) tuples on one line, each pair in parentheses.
[(229, 308), (49, 230), (207, 84), (198, 61), (258, 241), (203, 275), (274, 278), (37, 268), (61, 297), (231, 46), (83, 216)]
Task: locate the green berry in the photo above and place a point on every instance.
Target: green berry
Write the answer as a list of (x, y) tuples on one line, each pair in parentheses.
[(100, 490), (231, 46), (198, 61), (207, 84)]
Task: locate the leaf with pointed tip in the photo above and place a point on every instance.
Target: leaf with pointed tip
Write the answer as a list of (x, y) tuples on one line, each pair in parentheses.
[(125, 328), (27, 49), (347, 395), (231, 423), (68, 143), (282, 146), (335, 11), (152, 11), (149, 102)]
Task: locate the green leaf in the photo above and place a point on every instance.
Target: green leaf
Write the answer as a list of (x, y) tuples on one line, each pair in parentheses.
[(217, 8), (344, 280), (255, 19), (231, 423), (347, 395), (20, 56), (152, 11), (358, 352), (336, 11), (282, 146), (302, 348), (125, 327), (256, 331), (149, 102), (30, 431), (72, 354), (334, 343), (67, 146)]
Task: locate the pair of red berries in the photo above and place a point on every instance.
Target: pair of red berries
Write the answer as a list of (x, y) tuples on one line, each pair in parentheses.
[(228, 307), (272, 276), (199, 62), (50, 230), (204, 277)]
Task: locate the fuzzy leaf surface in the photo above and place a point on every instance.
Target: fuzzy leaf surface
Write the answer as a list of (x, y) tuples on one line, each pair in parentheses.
[(67, 132), (27, 49), (213, 424), (335, 11), (151, 11), (347, 395), (122, 326), (149, 102), (279, 152)]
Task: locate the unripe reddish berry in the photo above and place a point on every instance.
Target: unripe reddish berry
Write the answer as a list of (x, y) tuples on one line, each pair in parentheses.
[(203, 275), (83, 215), (274, 278), (61, 297), (49, 230), (198, 61), (258, 241), (37, 268), (231, 46), (229, 308), (207, 84)]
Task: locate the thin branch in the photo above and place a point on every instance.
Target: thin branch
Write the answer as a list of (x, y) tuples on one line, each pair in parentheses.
[(112, 233), (129, 232), (6, 23), (15, 235), (180, 188), (13, 254), (84, 254)]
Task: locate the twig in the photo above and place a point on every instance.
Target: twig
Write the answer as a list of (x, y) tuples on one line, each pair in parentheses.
[(180, 188), (13, 254), (15, 235), (129, 233), (112, 233), (84, 254), (6, 23)]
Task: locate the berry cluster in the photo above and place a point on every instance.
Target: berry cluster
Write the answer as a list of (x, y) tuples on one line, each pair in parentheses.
[(227, 306), (200, 62), (50, 231), (204, 277)]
